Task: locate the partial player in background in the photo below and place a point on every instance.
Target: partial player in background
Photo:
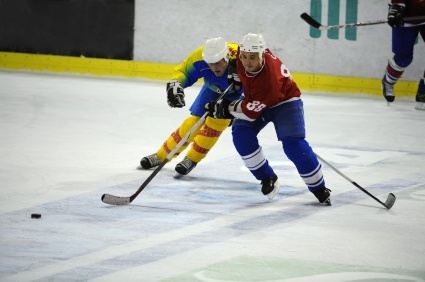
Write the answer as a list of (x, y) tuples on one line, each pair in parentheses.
[(209, 62), (403, 39), (270, 96)]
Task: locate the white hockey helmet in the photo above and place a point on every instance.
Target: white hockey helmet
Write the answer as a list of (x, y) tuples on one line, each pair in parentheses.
[(253, 43), (215, 49)]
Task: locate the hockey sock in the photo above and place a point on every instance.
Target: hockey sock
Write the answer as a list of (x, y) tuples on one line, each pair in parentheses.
[(246, 143), (393, 72), (300, 153), (177, 136), (206, 138)]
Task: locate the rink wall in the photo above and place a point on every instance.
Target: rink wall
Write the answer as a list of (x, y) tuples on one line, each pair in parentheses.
[(81, 65), (343, 60), (96, 28)]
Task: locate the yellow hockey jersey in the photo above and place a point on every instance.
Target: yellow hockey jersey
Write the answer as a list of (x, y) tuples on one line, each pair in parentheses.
[(194, 68)]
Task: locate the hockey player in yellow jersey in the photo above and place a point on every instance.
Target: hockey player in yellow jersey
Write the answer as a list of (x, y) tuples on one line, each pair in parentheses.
[(209, 62)]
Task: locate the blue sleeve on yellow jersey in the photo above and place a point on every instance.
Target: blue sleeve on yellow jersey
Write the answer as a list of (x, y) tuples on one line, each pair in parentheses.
[(188, 72)]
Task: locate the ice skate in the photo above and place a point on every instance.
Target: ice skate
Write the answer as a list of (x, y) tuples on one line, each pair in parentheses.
[(323, 195), (185, 166), (388, 91), (270, 186), (420, 100), (150, 161)]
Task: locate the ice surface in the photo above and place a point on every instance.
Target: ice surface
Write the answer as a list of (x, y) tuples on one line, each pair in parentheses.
[(68, 139)]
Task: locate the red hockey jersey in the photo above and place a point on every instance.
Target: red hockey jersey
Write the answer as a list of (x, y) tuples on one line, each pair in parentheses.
[(414, 8), (270, 87)]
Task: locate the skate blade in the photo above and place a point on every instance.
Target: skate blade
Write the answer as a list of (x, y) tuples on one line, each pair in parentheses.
[(328, 202), (274, 192)]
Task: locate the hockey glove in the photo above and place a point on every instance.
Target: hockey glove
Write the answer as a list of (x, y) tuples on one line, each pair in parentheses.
[(233, 76), (175, 94), (396, 15), (219, 110)]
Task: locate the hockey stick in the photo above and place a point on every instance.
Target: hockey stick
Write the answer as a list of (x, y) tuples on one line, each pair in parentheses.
[(306, 17), (115, 200), (388, 203)]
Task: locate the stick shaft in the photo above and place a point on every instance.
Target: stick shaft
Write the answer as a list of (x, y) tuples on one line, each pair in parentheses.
[(169, 156), (174, 151), (319, 26), (114, 200), (352, 182)]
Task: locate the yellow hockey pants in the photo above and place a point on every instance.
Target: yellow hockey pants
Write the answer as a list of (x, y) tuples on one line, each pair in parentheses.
[(203, 138)]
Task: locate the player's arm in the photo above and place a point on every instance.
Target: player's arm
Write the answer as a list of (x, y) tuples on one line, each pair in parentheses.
[(233, 76), (189, 71), (225, 109), (243, 109), (235, 109), (184, 75), (396, 13)]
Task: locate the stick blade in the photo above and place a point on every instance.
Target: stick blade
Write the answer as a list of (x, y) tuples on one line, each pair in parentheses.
[(390, 201), (308, 19), (114, 200)]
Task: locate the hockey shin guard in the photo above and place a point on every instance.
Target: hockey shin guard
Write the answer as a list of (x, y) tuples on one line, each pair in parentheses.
[(206, 138), (176, 137), (393, 72), (300, 153)]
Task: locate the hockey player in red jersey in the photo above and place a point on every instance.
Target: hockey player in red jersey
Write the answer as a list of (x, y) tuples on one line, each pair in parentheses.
[(270, 96), (403, 39)]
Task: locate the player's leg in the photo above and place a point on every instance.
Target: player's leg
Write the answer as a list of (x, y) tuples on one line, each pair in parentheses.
[(246, 143), (403, 40), (172, 141), (289, 124), (204, 141), (300, 153), (420, 95)]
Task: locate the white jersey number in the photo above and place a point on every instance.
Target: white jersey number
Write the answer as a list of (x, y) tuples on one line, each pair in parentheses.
[(255, 106)]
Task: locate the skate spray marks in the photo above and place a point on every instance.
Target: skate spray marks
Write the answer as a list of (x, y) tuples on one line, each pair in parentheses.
[(250, 268)]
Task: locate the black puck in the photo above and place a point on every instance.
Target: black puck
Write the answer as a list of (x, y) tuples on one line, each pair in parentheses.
[(35, 215)]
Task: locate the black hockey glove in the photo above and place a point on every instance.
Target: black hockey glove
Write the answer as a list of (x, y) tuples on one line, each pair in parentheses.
[(396, 15), (233, 76), (219, 110), (175, 94)]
